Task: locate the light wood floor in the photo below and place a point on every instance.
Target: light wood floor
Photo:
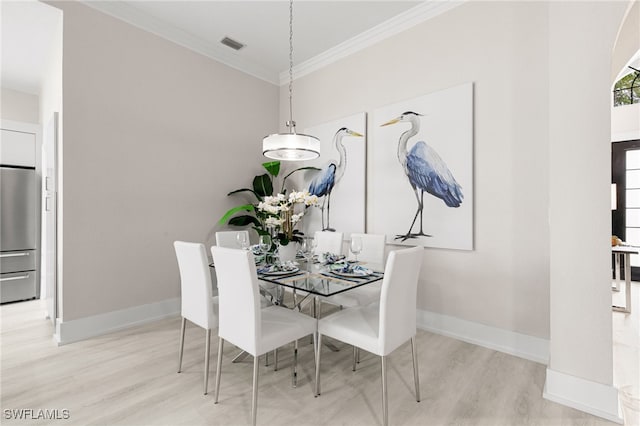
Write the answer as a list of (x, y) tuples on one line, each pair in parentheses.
[(129, 378), (626, 339)]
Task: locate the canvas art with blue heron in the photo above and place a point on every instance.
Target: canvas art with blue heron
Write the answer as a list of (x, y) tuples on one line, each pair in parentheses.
[(328, 177), (426, 171)]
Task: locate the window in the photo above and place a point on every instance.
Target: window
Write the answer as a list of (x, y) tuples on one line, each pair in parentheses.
[(627, 90)]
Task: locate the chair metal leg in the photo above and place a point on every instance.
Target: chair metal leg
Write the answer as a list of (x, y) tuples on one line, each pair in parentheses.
[(318, 350), (184, 323), (294, 371), (358, 355), (242, 355), (254, 404), (385, 413), (207, 351), (355, 355), (275, 360), (416, 376), (314, 302), (218, 369)]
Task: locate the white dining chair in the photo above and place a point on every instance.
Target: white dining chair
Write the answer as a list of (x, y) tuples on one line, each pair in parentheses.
[(372, 248), (242, 321), (327, 241), (197, 304), (381, 329), (229, 239), (372, 256)]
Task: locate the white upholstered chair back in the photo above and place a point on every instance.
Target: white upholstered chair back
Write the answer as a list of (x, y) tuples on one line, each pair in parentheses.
[(239, 298), (229, 239), (327, 241), (195, 284), (372, 248), (398, 298)]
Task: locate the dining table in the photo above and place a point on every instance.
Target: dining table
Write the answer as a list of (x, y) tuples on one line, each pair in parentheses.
[(311, 278), (318, 279)]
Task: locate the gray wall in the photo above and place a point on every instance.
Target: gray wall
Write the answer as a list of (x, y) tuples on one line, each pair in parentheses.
[(154, 137), (504, 282)]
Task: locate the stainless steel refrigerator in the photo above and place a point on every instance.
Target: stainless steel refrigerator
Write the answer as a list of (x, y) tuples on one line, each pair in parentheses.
[(18, 216)]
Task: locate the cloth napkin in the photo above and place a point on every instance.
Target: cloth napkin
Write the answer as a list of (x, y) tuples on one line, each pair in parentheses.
[(330, 258), (350, 268), (278, 267)]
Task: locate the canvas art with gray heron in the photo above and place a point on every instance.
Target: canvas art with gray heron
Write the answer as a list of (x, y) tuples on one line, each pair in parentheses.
[(328, 177), (426, 171)]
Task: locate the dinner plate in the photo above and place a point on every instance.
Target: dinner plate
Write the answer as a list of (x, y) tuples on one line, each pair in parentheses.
[(287, 272), (350, 274)]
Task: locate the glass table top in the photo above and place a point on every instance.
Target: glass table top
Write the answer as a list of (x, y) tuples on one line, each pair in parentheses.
[(319, 279)]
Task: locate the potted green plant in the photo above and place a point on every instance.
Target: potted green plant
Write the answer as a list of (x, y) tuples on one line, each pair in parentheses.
[(270, 214)]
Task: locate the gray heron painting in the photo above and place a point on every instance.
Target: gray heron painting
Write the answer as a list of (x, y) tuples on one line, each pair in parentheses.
[(426, 171), (327, 178)]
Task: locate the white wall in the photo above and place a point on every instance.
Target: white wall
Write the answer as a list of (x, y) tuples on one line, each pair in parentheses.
[(502, 47), (581, 37), (540, 265), (51, 102), (154, 137), (19, 106), (627, 42), (625, 123)]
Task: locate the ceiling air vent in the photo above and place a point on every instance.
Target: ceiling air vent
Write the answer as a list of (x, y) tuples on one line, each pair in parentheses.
[(235, 45)]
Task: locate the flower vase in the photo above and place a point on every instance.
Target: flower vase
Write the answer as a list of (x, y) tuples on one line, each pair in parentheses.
[(288, 253)]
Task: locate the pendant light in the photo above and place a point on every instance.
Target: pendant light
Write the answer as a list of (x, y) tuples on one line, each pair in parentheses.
[(291, 146)]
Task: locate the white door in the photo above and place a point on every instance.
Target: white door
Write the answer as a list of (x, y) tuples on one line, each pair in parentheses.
[(49, 217)]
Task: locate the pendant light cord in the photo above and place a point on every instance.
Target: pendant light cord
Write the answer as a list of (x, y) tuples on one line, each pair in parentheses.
[(291, 124)]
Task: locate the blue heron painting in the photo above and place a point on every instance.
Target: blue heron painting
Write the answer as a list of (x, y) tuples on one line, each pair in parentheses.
[(327, 178), (426, 171)]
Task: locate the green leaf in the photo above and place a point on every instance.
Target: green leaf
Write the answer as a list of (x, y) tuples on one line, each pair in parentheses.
[(262, 185), (231, 212), (243, 220), (273, 167), (237, 191)]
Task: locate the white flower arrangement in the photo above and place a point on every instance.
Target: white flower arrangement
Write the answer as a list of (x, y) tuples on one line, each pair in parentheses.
[(280, 210)]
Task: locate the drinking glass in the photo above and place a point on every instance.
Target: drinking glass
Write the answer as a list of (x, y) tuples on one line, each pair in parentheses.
[(307, 247), (356, 246), (243, 240), (264, 243)]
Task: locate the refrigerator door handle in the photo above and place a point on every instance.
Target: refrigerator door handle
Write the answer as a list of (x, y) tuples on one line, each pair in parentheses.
[(21, 277), (24, 253)]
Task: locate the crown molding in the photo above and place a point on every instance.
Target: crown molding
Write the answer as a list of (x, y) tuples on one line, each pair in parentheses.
[(139, 19), (399, 23), (402, 22)]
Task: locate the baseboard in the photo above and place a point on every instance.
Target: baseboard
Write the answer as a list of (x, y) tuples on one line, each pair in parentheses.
[(84, 328), (584, 395), (517, 344)]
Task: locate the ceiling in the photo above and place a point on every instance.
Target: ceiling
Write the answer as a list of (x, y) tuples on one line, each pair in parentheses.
[(263, 26), (323, 31), (27, 37)]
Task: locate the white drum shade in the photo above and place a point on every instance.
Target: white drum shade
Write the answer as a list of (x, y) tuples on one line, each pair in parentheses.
[(291, 147)]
